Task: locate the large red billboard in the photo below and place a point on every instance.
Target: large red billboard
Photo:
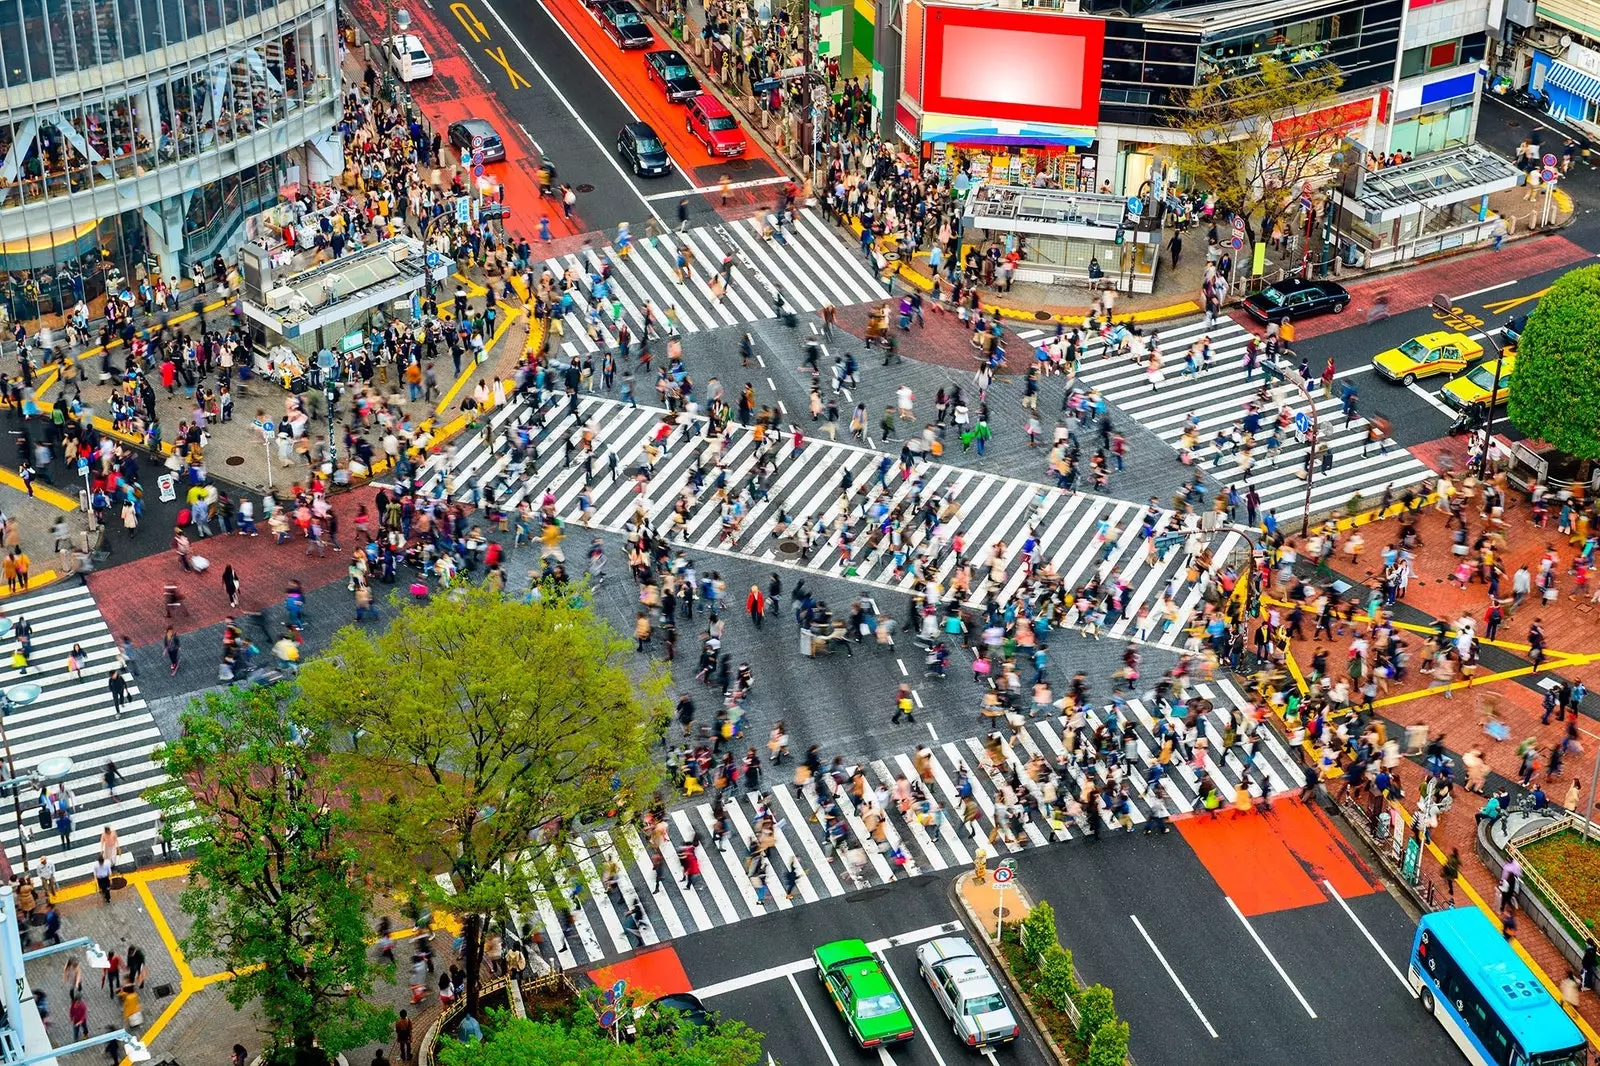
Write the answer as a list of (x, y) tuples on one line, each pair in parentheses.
[(1012, 65)]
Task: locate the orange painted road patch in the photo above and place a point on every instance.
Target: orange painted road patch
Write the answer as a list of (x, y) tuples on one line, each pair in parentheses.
[(649, 974), (1276, 861)]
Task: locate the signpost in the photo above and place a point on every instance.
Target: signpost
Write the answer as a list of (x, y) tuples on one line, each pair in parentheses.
[(266, 427), (1003, 873), (167, 487)]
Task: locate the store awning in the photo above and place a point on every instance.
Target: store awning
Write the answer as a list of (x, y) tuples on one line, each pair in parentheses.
[(1573, 80)]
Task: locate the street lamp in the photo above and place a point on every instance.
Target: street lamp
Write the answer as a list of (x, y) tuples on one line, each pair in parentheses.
[(399, 20), (1443, 305), (330, 392)]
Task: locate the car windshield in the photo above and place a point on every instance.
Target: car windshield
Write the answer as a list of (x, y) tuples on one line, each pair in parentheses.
[(1575, 1057), (418, 56), (877, 1006), (1272, 297), (649, 144), (675, 70), (1414, 349), (724, 123), (626, 18), (985, 1004)]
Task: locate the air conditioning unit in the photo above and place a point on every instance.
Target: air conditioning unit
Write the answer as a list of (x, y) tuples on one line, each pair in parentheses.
[(279, 298)]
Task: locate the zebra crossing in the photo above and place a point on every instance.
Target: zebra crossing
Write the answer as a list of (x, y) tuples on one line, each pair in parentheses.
[(932, 839), (1076, 532), (1216, 399), (807, 263), (74, 717)]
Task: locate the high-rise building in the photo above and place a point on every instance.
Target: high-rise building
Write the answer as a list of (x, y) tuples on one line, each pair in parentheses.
[(137, 135)]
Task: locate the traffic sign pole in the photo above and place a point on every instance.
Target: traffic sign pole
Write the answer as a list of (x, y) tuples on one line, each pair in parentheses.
[(266, 428), (1002, 877)]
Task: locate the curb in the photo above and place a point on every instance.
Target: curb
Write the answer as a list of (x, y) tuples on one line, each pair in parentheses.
[(998, 961)]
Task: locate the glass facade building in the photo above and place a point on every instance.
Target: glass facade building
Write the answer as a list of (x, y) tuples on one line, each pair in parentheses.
[(136, 135)]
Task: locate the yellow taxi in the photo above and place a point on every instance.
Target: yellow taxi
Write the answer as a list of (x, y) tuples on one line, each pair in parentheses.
[(1427, 355), (1464, 390)]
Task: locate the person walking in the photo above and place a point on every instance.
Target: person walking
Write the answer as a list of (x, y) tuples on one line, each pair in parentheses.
[(172, 645), (64, 827), (230, 585), (119, 691), (102, 878), (756, 605)]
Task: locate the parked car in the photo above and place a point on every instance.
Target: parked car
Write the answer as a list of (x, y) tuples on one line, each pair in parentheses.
[(638, 144), (624, 25), (1513, 328), (967, 992), (671, 71), (862, 993), (714, 126), (1473, 387), (408, 59), (475, 134), (1296, 298), (1442, 352)]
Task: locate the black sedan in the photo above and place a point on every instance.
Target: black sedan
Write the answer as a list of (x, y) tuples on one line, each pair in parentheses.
[(1296, 298), (624, 25), (669, 70), (638, 144)]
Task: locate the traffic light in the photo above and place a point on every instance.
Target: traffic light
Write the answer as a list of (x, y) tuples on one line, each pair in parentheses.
[(494, 213), (1122, 233)]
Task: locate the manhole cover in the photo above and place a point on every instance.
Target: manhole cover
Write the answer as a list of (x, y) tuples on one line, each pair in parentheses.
[(788, 547), (1002, 913), (234, 460), (585, 188), (738, 164), (1042, 316)]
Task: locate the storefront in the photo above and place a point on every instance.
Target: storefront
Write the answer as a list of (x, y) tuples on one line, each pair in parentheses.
[(1572, 81), (1433, 114), (1065, 238), (1051, 160)]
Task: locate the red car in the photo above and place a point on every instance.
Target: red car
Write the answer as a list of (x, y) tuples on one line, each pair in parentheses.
[(713, 126)]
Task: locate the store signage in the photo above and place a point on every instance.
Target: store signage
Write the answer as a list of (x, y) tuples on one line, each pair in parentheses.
[(1585, 59), (1012, 66), (351, 341)]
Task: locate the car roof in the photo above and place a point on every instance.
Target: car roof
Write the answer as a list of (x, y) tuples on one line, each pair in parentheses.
[(476, 126), (955, 957), (836, 951), (409, 41), (641, 129), (665, 54), (1307, 284), (619, 6), (1444, 336), (710, 105)]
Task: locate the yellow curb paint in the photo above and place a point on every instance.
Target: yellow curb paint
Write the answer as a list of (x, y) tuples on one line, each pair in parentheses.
[(36, 580), (49, 495), (473, 370), (1391, 511)]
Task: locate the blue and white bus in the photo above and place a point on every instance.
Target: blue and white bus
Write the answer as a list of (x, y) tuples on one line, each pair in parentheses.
[(1469, 978)]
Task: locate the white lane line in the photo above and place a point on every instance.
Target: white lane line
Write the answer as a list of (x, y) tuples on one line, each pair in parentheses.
[(754, 183), (1384, 955), (811, 1017), (1270, 957), (1167, 966), (906, 1001), (884, 1058), (988, 1053), (760, 977), (901, 663), (1430, 398), (1480, 292), (559, 95), (931, 733), (1353, 371)]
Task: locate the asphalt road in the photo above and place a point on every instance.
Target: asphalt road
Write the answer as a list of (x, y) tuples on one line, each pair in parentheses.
[(756, 972), (1502, 127)]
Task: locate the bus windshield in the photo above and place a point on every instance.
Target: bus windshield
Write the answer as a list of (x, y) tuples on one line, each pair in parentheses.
[(1578, 1056)]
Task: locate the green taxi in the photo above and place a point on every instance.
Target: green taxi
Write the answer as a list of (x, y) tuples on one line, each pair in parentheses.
[(862, 993)]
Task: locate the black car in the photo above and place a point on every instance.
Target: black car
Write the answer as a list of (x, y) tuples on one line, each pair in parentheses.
[(667, 68), (638, 144), (476, 135), (1296, 298), (1513, 328), (624, 25)]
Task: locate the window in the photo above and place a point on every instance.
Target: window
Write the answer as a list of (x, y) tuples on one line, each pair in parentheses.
[(1443, 55), (1413, 61)]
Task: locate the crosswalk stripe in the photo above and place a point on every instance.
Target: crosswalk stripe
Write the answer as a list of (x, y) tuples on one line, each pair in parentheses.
[(1216, 396), (927, 848), (74, 717), (993, 508)]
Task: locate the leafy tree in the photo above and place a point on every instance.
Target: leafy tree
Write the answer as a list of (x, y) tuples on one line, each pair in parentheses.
[(1039, 928), (275, 891), (1095, 1008), (1109, 1046), (485, 725), (1557, 388), (1057, 981), (523, 1042), (1254, 140)]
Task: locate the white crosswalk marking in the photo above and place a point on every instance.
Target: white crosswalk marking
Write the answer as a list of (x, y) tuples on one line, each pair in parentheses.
[(806, 485), (1216, 397), (797, 832), (75, 717), (811, 266)]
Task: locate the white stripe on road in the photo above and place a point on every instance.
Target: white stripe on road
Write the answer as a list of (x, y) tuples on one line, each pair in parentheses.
[(1430, 398), (1384, 955), (905, 1000), (1165, 965), (1270, 957), (810, 1016)]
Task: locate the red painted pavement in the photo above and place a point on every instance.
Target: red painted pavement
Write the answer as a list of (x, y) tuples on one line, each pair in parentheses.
[(131, 598), (1274, 861), (1409, 290), (649, 974), (456, 92)]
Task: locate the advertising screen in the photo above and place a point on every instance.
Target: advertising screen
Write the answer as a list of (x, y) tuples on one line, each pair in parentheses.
[(1012, 66)]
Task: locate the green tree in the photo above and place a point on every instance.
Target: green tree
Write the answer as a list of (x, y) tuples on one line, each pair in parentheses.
[(523, 1042), (1109, 1046), (485, 724), (1039, 929), (1557, 392), (1096, 1006), (1057, 981), (1255, 139), (275, 892)]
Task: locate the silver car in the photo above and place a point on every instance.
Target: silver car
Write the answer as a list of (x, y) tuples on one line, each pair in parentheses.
[(967, 991)]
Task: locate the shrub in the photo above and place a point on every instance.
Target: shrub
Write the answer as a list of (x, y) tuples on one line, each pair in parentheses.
[(1039, 929), (1057, 982), (1109, 1046), (1095, 1008)]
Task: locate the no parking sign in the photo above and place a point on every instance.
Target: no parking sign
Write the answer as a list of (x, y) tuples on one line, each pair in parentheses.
[(168, 487)]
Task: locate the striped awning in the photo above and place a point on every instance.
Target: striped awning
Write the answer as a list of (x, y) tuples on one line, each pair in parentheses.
[(1573, 80)]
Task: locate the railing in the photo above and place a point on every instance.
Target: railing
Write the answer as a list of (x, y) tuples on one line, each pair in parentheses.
[(1576, 929)]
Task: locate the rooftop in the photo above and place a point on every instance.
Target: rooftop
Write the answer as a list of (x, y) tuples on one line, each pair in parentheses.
[(1438, 180)]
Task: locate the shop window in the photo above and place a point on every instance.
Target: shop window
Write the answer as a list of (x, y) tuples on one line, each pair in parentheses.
[(1443, 55), (1473, 47), (1413, 61)]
